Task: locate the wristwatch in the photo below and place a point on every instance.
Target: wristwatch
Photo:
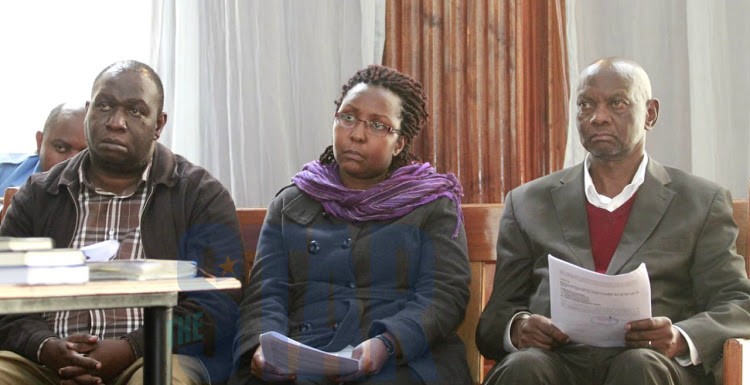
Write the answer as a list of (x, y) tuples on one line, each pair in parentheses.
[(388, 344)]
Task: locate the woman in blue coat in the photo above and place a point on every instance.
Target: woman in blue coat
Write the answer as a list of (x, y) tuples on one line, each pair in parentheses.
[(365, 249)]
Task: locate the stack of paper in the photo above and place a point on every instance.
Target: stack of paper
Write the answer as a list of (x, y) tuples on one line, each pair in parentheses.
[(593, 308), (33, 261), (292, 357)]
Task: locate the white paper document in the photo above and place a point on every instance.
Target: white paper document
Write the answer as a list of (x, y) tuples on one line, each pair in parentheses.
[(101, 251), (593, 308), (290, 356)]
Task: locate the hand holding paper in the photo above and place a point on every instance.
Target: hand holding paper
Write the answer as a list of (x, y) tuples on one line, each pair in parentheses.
[(536, 331), (292, 357), (260, 368), (593, 308), (371, 354), (656, 333)]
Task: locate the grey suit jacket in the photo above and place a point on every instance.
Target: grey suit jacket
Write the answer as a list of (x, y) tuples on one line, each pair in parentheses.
[(680, 226)]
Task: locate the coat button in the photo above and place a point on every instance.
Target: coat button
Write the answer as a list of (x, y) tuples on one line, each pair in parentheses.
[(305, 327), (347, 243), (351, 285), (336, 326), (313, 247)]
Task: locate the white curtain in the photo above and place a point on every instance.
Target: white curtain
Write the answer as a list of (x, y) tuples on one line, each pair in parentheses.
[(696, 54), (51, 52), (250, 84)]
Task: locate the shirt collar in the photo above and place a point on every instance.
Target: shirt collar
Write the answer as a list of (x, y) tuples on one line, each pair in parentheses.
[(607, 203)]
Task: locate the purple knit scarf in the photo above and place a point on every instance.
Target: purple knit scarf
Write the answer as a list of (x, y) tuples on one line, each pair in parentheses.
[(406, 189)]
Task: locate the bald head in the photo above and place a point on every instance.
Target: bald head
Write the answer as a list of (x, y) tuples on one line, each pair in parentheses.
[(624, 68), (62, 136)]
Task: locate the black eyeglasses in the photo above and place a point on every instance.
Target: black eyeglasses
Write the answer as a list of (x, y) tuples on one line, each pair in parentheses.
[(346, 120)]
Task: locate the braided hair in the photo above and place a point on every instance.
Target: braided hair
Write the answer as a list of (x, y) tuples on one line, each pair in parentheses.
[(413, 108)]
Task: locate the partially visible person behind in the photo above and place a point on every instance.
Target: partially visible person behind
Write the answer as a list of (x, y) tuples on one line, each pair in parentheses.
[(366, 249), (615, 211), (61, 139), (128, 187)]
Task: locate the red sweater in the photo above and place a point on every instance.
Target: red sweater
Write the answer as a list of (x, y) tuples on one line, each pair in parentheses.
[(605, 231)]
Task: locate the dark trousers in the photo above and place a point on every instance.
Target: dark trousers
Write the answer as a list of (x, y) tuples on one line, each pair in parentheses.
[(390, 375), (580, 364)]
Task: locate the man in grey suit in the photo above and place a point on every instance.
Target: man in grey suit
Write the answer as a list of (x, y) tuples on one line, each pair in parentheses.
[(610, 214)]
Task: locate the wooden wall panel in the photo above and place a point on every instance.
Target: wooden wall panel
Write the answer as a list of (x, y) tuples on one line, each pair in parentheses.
[(495, 76)]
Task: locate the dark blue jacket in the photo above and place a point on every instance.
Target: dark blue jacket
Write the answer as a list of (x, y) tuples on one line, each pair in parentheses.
[(328, 284)]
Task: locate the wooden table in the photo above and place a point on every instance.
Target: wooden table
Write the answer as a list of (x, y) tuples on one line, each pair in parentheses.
[(157, 297)]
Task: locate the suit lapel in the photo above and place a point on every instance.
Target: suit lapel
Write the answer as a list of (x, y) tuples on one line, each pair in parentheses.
[(651, 202), (570, 200)]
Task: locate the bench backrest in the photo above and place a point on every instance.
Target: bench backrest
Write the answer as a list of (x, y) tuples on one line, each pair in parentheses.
[(482, 222), (7, 196)]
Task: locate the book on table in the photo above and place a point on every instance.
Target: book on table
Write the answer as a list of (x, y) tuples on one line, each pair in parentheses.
[(25, 243), (44, 275), (49, 257), (34, 261), (142, 269)]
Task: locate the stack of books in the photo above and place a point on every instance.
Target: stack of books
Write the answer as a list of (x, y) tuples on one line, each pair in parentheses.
[(34, 261), (142, 269)]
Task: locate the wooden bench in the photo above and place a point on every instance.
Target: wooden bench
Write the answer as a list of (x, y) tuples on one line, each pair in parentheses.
[(482, 225), (7, 195), (737, 350)]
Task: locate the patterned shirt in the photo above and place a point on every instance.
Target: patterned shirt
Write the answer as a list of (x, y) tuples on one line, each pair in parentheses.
[(102, 216)]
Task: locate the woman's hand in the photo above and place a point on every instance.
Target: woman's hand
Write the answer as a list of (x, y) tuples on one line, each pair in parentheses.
[(372, 355), (267, 372)]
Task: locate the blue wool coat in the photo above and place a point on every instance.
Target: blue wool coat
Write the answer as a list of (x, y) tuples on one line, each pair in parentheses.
[(328, 283)]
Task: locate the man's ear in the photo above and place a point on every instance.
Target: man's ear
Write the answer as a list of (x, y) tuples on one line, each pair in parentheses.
[(161, 121), (652, 113), (39, 137)]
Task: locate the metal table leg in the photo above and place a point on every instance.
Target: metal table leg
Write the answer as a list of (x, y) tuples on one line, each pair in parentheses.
[(157, 355)]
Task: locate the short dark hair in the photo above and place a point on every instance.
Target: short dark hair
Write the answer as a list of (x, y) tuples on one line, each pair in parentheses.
[(52, 118), (413, 107), (134, 65)]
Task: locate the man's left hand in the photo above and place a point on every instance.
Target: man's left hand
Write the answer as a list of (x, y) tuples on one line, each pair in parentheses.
[(656, 333)]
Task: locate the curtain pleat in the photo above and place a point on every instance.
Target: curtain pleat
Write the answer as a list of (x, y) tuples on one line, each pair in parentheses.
[(250, 84)]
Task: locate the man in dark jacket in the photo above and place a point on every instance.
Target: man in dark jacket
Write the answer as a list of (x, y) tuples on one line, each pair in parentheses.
[(127, 187)]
